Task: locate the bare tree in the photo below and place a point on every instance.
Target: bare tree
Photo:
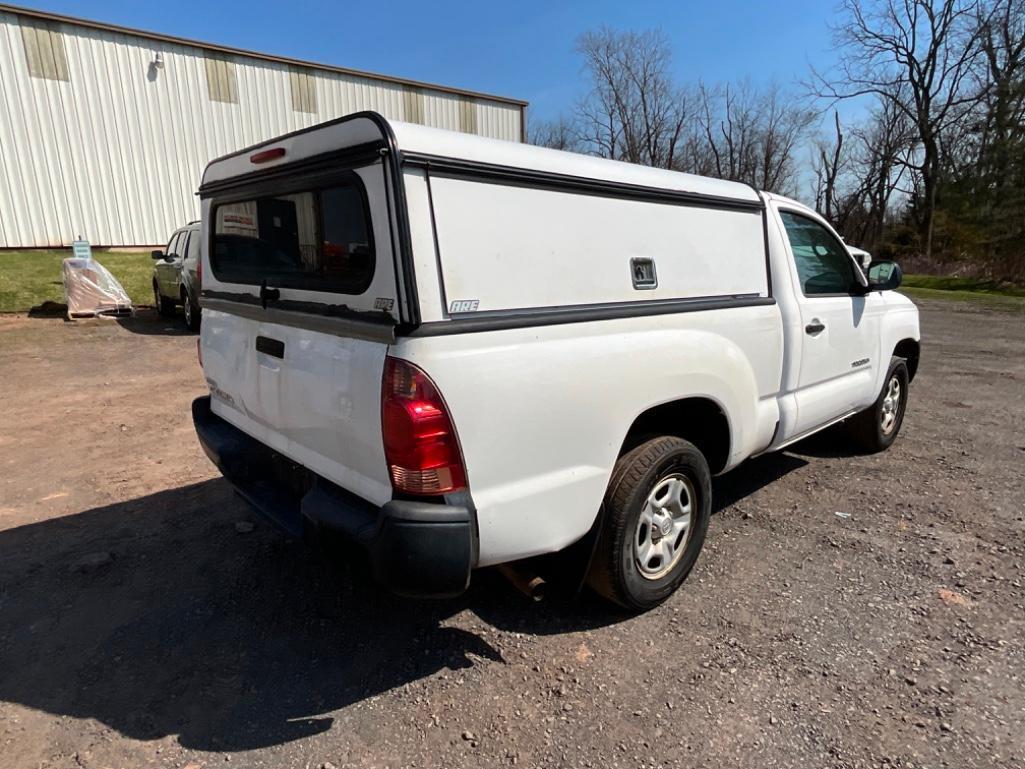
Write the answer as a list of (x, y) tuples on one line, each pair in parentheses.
[(996, 188), (753, 136), (857, 173), (727, 123), (885, 148), (633, 111), (916, 55), (558, 134), (828, 164), (1001, 34)]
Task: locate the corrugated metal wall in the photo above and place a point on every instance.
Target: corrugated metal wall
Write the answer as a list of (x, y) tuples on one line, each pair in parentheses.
[(115, 151)]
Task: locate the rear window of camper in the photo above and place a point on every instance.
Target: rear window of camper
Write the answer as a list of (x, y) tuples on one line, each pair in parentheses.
[(315, 240)]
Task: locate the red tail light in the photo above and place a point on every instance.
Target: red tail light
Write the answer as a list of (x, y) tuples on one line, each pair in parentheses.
[(420, 443)]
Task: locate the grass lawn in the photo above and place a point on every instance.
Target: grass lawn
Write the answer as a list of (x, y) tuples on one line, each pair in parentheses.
[(971, 285), (29, 278), (964, 289)]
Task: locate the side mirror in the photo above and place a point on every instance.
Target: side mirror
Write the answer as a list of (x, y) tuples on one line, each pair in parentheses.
[(884, 276), (158, 254)]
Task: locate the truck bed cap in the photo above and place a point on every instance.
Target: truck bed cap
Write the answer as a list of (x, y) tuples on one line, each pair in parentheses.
[(418, 140)]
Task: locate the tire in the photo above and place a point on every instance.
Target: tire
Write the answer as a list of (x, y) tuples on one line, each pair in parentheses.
[(631, 564), (192, 314), (165, 306), (876, 428)]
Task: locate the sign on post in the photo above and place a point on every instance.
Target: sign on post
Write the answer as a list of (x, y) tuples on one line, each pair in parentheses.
[(81, 249)]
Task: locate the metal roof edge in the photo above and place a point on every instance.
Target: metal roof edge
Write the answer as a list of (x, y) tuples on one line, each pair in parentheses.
[(104, 26)]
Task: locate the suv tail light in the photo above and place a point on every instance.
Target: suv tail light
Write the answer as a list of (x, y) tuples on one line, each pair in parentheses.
[(420, 443)]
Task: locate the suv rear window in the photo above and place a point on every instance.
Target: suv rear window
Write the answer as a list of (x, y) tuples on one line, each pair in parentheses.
[(317, 240)]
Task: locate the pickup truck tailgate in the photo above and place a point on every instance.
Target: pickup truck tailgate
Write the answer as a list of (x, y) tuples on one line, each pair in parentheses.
[(312, 396)]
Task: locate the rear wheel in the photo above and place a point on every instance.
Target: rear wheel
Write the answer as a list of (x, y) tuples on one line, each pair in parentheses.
[(656, 513), (165, 306), (191, 311), (875, 428)]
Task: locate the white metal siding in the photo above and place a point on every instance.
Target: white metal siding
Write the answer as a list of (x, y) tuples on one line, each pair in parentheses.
[(116, 152)]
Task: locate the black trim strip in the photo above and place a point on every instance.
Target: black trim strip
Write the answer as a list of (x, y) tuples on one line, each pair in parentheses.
[(338, 320), (405, 239), (524, 177), (386, 185), (765, 240), (471, 323)]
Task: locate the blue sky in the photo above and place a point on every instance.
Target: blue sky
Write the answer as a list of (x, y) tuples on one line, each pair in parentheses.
[(522, 49)]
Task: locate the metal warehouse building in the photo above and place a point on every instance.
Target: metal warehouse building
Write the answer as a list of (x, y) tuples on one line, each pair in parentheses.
[(105, 131)]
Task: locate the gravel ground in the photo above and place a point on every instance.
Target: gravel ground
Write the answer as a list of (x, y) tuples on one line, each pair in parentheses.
[(848, 611)]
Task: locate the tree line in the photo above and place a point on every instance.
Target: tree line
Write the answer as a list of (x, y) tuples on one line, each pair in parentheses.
[(933, 174)]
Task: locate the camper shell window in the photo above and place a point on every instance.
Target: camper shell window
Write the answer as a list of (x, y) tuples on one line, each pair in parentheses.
[(315, 240)]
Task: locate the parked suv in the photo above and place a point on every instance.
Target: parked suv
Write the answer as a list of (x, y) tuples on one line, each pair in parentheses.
[(456, 352), (176, 275)]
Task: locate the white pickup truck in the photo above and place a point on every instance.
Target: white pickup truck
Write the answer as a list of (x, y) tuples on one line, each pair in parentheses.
[(453, 352)]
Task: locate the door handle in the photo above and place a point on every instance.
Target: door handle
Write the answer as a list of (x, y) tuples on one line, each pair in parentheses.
[(815, 327), (273, 347)]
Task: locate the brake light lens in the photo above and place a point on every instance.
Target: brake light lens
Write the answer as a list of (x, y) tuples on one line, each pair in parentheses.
[(266, 155), (420, 442)]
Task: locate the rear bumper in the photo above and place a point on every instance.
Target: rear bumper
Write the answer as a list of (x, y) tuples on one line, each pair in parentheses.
[(414, 548)]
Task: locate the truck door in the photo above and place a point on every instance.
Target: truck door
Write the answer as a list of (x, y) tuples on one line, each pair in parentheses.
[(840, 343)]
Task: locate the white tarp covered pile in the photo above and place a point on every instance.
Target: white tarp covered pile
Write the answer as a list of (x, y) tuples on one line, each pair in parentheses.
[(90, 289)]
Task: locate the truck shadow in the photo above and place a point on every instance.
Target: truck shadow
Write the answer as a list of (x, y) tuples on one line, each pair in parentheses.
[(752, 475), (831, 443), (157, 617)]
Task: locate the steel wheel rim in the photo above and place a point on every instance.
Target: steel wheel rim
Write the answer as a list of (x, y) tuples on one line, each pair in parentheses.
[(663, 526), (188, 309), (891, 405)]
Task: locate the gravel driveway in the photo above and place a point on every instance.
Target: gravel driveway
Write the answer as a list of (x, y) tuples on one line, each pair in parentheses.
[(848, 611)]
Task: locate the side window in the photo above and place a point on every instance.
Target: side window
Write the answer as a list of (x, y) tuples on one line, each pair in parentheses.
[(823, 264), (184, 244), (193, 252), (174, 245)]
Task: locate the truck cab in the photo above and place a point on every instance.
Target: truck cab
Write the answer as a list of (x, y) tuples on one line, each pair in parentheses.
[(456, 353), (842, 324)]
